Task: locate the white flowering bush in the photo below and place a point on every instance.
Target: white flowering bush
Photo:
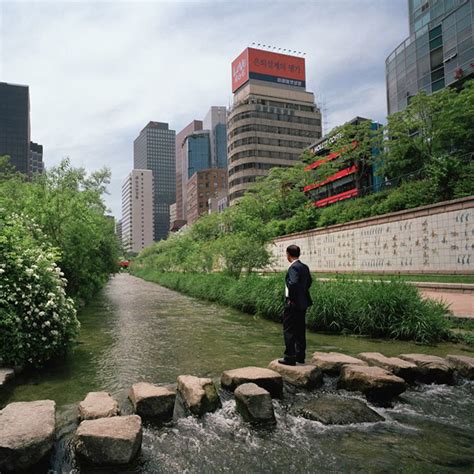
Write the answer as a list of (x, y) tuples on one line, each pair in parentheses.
[(37, 320)]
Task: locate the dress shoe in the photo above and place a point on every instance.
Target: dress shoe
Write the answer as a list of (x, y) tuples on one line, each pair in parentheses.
[(301, 362), (286, 362)]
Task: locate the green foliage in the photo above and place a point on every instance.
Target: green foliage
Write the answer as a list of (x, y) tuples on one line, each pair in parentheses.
[(67, 205), (37, 319), (381, 309)]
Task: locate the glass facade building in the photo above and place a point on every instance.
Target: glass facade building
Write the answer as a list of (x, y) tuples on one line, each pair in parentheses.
[(154, 149), (198, 148), (15, 125), (438, 53)]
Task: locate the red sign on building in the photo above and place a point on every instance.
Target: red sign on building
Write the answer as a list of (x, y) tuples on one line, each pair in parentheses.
[(267, 66)]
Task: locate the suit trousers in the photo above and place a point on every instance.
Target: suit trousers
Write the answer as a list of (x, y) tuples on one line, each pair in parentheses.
[(294, 332)]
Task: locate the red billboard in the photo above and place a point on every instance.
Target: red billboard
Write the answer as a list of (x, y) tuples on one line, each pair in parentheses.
[(268, 66)]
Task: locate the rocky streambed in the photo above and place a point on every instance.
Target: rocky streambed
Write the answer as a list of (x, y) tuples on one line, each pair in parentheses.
[(106, 435)]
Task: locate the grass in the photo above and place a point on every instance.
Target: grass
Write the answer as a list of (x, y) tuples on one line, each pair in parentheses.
[(391, 309)]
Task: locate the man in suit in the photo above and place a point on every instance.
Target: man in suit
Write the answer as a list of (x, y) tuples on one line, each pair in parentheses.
[(297, 299)]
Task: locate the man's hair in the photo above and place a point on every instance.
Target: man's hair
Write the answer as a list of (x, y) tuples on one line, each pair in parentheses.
[(293, 251)]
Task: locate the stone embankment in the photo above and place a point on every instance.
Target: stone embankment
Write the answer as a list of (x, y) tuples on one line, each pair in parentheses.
[(106, 438)]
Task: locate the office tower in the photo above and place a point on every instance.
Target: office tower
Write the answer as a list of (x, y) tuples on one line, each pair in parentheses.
[(438, 53), (15, 125), (182, 167), (216, 122), (273, 118), (137, 210), (154, 149), (36, 165), (201, 145), (201, 187)]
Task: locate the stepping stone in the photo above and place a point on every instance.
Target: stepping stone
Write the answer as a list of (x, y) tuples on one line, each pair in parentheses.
[(26, 434), (374, 382), (112, 440), (5, 375), (268, 379), (304, 376), (463, 364), (433, 369), (332, 410), (98, 405), (196, 396), (399, 367), (254, 403), (152, 401), (333, 362)]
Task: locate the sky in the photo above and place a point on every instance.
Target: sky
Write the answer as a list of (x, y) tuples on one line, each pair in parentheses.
[(98, 72)]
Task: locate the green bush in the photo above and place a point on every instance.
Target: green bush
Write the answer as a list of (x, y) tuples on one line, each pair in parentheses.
[(37, 320), (391, 309)]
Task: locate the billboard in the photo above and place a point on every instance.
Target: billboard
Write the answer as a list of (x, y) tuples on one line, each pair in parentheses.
[(268, 66)]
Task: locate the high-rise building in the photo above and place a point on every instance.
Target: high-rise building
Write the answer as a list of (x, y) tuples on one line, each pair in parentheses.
[(201, 186), (216, 122), (137, 210), (15, 125), (273, 118), (154, 149), (182, 167), (438, 53), (199, 146), (36, 165)]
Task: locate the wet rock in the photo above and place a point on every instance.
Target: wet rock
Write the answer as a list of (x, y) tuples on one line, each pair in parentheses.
[(26, 434), (374, 382), (196, 396), (254, 403), (333, 362), (304, 376), (463, 364), (152, 401), (268, 379), (112, 440), (432, 369), (5, 375), (399, 367), (98, 405), (332, 410)]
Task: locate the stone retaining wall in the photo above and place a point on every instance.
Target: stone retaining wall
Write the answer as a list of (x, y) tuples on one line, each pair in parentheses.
[(431, 239)]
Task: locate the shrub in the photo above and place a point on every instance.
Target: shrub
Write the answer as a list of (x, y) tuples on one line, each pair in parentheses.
[(37, 320)]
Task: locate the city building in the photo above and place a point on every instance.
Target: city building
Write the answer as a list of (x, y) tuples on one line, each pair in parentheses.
[(137, 226), (118, 230), (154, 149), (15, 125), (172, 215), (273, 118), (218, 202), (342, 184), (182, 167), (438, 53), (36, 164), (216, 122), (201, 145), (201, 186)]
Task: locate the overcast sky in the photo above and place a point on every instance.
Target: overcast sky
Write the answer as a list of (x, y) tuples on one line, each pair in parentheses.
[(99, 71)]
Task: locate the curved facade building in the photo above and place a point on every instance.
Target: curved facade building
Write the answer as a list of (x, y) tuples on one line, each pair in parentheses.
[(272, 120), (438, 53)]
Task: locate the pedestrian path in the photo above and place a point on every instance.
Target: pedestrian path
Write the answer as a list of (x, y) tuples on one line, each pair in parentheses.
[(461, 303)]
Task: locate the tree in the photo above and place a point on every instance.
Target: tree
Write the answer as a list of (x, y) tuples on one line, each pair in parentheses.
[(67, 205)]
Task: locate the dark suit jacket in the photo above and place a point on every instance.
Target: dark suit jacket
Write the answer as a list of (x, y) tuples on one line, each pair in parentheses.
[(298, 281)]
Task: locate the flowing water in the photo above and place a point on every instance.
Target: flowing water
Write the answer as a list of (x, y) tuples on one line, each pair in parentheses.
[(138, 331)]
